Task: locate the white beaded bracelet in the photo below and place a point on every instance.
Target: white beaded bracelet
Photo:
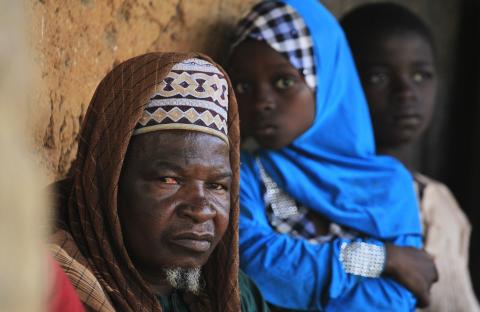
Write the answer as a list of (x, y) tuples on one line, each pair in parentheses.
[(362, 259)]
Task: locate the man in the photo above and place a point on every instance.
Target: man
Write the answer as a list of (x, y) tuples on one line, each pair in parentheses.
[(148, 221)]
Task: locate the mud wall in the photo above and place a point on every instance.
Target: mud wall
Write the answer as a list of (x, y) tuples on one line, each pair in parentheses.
[(78, 41)]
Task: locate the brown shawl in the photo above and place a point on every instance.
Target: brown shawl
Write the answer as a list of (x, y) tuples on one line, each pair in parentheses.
[(88, 241)]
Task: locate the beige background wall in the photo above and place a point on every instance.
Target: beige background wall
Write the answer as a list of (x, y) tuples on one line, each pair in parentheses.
[(78, 41)]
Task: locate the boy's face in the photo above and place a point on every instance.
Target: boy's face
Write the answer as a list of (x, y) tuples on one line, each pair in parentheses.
[(275, 103), (399, 79)]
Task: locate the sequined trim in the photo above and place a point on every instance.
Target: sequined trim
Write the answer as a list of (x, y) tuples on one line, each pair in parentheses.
[(363, 259), (283, 206)]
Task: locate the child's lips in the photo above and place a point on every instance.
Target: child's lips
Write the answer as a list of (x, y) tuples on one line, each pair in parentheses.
[(408, 119), (266, 130)]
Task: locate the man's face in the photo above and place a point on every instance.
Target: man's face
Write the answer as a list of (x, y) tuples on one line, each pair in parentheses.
[(174, 199), (399, 79), (276, 105)]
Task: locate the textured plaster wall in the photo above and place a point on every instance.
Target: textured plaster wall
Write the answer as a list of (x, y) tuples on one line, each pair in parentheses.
[(78, 41)]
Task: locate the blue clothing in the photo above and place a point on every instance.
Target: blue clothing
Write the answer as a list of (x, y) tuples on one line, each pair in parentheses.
[(295, 274), (333, 170)]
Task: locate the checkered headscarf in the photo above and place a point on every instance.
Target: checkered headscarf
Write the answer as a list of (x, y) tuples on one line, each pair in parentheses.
[(282, 28)]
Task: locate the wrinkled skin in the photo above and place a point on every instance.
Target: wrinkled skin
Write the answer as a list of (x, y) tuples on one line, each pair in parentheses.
[(275, 103), (174, 199)]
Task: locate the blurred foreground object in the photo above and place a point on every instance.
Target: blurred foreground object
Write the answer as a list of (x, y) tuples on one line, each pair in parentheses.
[(23, 212)]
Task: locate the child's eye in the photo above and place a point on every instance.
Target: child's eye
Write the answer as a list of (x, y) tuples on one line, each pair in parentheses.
[(168, 180), (242, 87), (421, 76), (284, 83), (376, 79)]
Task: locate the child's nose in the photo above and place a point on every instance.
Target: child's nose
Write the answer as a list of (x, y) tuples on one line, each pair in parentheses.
[(403, 88), (264, 101)]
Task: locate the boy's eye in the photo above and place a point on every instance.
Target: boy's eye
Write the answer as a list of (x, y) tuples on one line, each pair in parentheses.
[(376, 79), (284, 83), (421, 76), (168, 180), (242, 87)]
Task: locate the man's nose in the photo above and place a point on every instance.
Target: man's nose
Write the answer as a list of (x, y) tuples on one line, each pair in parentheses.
[(196, 206)]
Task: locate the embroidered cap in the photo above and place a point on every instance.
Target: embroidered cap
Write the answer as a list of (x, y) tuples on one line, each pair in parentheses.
[(283, 29), (193, 96)]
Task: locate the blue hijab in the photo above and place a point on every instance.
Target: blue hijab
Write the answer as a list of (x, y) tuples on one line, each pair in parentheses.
[(332, 168)]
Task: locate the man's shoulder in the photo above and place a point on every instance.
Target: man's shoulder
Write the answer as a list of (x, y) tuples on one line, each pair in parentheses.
[(65, 251), (250, 296)]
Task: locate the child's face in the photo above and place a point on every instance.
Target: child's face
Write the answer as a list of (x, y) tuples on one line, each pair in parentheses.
[(399, 79), (275, 103)]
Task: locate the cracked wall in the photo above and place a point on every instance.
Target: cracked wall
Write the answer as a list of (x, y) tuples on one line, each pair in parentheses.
[(78, 41)]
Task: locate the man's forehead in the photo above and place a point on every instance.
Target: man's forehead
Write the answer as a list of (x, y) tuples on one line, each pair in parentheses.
[(182, 148)]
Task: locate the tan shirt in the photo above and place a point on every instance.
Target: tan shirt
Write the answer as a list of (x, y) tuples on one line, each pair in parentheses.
[(447, 237)]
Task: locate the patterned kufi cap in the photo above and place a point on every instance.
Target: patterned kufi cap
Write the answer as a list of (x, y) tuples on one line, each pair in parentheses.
[(283, 29), (193, 96)]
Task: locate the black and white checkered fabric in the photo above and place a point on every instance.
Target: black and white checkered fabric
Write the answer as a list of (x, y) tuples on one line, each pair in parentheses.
[(280, 26), (292, 218)]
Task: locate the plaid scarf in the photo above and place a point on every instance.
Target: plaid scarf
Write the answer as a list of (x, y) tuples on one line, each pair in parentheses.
[(280, 26)]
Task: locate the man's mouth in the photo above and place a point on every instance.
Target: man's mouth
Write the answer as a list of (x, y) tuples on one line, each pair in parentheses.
[(198, 242)]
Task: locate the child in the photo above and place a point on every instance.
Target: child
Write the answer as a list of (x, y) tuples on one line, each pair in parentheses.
[(319, 210), (394, 52)]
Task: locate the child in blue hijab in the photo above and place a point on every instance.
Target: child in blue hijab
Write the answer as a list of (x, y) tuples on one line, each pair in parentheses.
[(325, 223)]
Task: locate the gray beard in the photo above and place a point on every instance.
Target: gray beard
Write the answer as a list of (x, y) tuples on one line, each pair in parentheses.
[(188, 279)]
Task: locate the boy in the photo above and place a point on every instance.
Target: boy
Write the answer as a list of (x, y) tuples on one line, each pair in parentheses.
[(395, 56)]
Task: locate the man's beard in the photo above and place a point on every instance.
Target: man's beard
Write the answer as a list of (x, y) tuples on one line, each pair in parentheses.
[(189, 279)]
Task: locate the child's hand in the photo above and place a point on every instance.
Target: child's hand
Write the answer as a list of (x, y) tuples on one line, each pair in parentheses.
[(413, 268)]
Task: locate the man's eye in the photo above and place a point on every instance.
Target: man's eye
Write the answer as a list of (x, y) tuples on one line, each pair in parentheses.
[(242, 87), (284, 83), (168, 180), (217, 187), (377, 78)]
